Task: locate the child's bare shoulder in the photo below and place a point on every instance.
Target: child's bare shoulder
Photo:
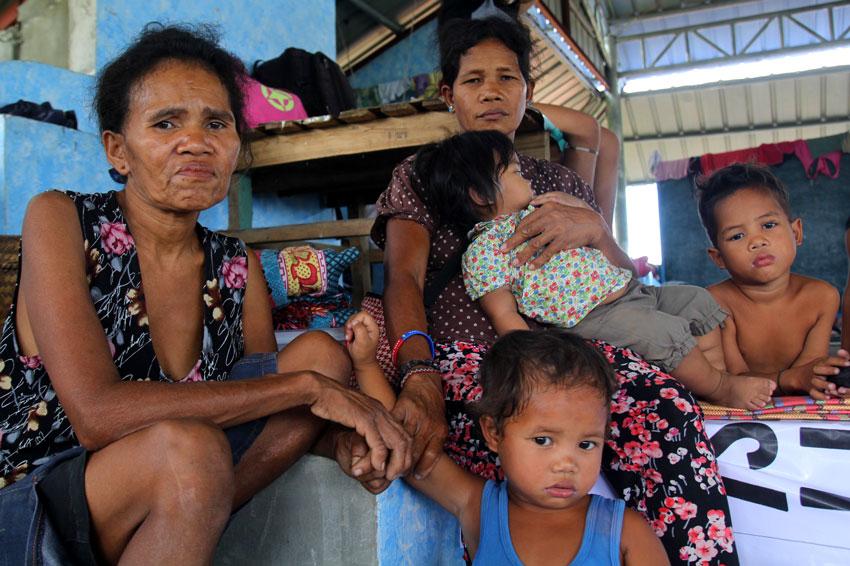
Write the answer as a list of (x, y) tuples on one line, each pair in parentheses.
[(812, 289), (723, 291)]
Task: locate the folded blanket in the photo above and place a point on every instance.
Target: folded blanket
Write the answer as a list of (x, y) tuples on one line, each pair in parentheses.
[(785, 408)]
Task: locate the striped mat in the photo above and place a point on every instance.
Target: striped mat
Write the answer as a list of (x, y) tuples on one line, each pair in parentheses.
[(797, 408)]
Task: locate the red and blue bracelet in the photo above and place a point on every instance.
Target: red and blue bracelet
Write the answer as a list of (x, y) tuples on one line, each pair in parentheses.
[(404, 337)]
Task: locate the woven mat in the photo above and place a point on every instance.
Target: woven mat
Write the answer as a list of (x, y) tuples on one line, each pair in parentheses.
[(792, 408)]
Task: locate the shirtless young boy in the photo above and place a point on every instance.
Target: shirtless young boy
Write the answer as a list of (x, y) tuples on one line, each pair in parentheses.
[(780, 322)]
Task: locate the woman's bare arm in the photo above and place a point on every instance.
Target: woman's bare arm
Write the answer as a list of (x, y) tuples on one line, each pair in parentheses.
[(257, 327), (599, 169), (101, 407), (420, 406)]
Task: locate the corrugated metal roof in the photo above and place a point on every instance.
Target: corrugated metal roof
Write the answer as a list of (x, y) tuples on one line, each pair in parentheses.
[(724, 117)]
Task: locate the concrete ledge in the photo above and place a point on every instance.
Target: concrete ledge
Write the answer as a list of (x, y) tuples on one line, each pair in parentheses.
[(316, 515)]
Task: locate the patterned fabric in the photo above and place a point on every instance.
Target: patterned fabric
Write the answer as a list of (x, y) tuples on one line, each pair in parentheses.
[(454, 316), (560, 292), (301, 271), (600, 543), (792, 408), (33, 424), (658, 457)]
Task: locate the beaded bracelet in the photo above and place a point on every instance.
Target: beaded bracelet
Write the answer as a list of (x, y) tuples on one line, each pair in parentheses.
[(407, 374), (431, 364), (404, 337)]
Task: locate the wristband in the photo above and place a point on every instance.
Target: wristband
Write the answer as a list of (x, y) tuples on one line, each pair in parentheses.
[(779, 389), (431, 364), (427, 368), (404, 337)]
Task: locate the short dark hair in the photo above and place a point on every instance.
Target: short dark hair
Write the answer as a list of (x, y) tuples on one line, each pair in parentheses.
[(729, 180), (457, 36), (451, 168), (523, 361), (157, 43)]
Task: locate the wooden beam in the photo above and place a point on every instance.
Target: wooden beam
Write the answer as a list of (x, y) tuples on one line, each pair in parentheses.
[(376, 135), (310, 231)]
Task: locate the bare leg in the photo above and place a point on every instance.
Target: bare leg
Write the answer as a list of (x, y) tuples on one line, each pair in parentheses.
[(161, 495), (711, 347), (721, 387), (289, 435)]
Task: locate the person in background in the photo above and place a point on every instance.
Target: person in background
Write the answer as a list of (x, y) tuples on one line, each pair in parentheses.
[(142, 396), (779, 322)]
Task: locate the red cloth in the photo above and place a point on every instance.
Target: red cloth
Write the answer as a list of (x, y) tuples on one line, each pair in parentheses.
[(815, 166), (766, 154)]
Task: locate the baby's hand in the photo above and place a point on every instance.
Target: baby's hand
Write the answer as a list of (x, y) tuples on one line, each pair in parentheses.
[(822, 388), (560, 198), (361, 338)]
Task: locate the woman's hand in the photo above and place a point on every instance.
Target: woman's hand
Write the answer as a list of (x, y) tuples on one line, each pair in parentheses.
[(556, 226), (389, 444), (821, 388), (361, 338), (422, 411), (352, 454), (561, 198)]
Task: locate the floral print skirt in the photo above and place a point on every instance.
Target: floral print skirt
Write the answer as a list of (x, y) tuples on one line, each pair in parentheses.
[(658, 457)]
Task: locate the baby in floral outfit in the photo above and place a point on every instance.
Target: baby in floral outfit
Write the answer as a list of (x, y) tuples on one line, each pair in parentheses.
[(474, 180)]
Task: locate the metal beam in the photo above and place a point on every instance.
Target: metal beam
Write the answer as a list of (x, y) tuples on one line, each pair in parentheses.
[(367, 9), (739, 130), (696, 7), (741, 48)]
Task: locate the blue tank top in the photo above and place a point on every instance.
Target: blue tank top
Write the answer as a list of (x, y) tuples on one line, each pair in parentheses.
[(600, 544)]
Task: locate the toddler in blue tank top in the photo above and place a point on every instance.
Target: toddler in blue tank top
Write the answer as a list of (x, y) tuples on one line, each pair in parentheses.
[(544, 409)]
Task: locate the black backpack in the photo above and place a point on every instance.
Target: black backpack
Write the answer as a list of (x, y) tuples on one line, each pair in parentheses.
[(314, 77)]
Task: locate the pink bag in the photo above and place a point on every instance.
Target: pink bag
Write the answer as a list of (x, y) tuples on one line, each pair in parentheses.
[(266, 104)]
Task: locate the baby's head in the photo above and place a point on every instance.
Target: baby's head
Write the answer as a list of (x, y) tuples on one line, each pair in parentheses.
[(729, 180), (545, 409), (462, 177), (747, 216)]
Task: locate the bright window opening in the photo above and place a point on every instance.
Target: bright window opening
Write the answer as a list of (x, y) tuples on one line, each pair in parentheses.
[(644, 229)]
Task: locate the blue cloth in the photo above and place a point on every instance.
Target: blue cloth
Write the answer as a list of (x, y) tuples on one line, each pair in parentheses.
[(600, 544)]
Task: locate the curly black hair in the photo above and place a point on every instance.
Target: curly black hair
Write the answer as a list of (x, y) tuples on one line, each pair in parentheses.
[(729, 180), (523, 361), (157, 43)]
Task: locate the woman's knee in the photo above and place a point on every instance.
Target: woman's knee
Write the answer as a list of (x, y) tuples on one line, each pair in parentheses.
[(318, 351), (194, 454)]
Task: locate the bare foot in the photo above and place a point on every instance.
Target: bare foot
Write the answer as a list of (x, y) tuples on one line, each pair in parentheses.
[(743, 392)]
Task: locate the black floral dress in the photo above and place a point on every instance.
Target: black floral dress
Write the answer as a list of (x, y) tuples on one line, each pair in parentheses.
[(33, 424)]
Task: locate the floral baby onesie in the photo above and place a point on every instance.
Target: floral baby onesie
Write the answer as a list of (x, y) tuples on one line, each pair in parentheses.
[(561, 292)]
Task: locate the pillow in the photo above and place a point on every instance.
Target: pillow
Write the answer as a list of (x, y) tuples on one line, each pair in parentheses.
[(304, 271)]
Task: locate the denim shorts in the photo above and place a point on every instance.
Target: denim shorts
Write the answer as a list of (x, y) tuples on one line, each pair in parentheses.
[(44, 518)]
